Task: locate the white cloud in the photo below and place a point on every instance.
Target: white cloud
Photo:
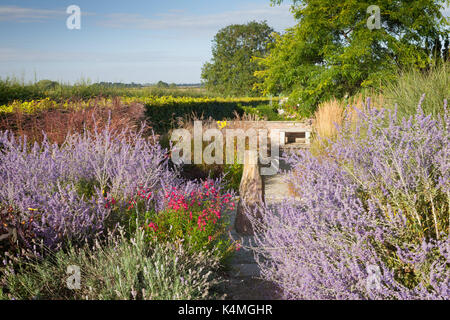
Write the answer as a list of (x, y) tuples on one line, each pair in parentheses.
[(279, 17), (19, 14), (24, 56)]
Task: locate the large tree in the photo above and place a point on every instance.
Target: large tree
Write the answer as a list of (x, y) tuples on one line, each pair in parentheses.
[(333, 52), (231, 71)]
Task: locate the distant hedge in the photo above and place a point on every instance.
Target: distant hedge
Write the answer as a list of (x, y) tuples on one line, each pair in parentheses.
[(163, 112), (10, 91)]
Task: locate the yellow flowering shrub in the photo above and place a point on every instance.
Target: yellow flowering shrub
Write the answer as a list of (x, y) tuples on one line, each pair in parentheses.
[(34, 106)]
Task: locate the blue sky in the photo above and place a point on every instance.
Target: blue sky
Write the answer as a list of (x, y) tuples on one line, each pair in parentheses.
[(127, 41), (141, 41)]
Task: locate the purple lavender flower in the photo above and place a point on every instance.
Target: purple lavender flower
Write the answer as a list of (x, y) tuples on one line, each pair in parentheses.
[(42, 182), (379, 201)]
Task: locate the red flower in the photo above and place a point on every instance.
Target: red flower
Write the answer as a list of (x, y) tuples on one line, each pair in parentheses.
[(153, 226)]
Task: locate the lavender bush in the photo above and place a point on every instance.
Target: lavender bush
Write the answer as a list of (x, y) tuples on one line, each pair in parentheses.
[(120, 269), (370, 220), (62, 193)]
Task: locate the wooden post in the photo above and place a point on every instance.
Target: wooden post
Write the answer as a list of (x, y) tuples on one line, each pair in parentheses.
[(251, 192)]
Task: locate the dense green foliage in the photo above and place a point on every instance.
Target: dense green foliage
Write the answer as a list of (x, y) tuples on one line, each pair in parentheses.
[(12, 90), (265, 111), (233, 176), (163, 113), (331, 52), (231, 71)]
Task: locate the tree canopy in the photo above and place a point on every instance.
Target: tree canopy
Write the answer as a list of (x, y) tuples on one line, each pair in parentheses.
[(47, 84), (333, 52), (231, 70), (162, 84)]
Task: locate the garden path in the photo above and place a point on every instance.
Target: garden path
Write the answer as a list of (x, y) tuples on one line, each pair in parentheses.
[(244, 282)]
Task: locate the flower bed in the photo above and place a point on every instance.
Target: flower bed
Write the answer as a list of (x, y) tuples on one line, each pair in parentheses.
[(55, 198)]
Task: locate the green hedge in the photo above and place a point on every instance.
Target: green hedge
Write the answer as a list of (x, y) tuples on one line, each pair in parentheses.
[(162, 116), (10, 91)]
